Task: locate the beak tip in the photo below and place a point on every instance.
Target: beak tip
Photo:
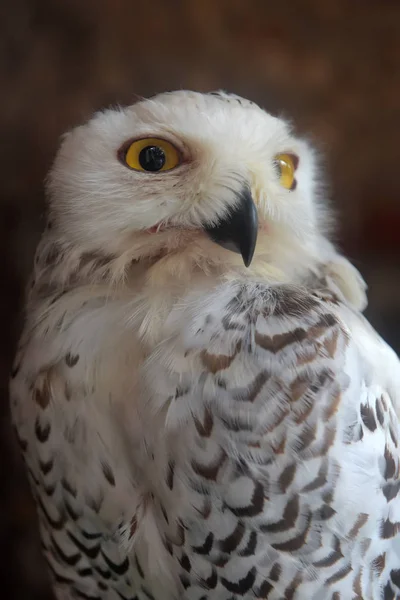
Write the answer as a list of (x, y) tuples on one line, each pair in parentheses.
[(238, 231)]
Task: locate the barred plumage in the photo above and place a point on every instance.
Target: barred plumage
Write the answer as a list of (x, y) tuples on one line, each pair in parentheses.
[(191, 428)]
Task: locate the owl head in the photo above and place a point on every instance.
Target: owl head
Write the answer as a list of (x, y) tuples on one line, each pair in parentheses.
[(209, 181)]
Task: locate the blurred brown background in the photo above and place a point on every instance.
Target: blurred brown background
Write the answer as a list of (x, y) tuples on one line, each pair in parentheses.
[(331, 65)]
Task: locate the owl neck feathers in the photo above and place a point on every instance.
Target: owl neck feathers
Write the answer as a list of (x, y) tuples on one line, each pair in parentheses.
[(158, 283)]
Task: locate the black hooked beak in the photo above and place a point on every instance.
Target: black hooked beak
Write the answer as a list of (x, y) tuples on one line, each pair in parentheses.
[(237, 231)]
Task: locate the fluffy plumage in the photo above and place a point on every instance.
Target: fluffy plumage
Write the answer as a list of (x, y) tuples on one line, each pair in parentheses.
[(193, 428)]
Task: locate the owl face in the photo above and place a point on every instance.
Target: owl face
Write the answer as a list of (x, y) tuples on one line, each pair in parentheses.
[(184, 170)]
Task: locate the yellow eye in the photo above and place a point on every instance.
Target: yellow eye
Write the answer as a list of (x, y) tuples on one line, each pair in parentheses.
[(151, 154), (286, 165)]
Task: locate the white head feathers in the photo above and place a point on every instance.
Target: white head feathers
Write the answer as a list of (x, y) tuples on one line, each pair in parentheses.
[(100, 205)]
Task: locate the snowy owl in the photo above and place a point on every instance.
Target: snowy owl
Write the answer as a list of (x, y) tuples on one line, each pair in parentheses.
[(203, 410)]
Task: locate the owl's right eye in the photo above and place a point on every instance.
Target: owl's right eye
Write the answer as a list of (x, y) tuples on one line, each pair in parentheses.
[(151, 155)]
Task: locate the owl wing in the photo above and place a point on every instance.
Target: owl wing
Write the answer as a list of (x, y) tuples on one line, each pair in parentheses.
[(291, 448), (60, 402)]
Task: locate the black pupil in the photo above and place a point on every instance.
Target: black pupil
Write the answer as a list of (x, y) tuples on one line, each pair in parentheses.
[(152, 158)]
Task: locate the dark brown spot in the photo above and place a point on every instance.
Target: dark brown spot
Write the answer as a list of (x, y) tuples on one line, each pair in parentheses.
[(69, 559), (295, 543), (185, 581), (133, 527), (390, 464), (232, 541), (42, 391), (290, 302), (320, 328), (333, 406), (378, 564), (181, 391), (280, 448), (320, 480), (254, 389), (218, 362), (391, 490), (90, 535), (170, 474), (332, 558), (306, 437), (360, 522), (292, 587), (395, 577), (330, 344), (46, 466), (168, 547), (299, 387), (108, 473), (388, 593), (206, 547), (288, 520), (49, 489), (15, 370), (276, 572), (286, 477), (95, 503), (236, 424), (325, 513), (42, 432), (256, 503), (393, 435), (379, 412), (104, 573), (264, 590), (277, 342), (205, 511), (322, 448), (118, 568), (71, 359), (251, 545), (304, 414), (102, 586), (368, 418), (306, 356), (61, 579), (357, 586), (51, 255), (211, 582), (164, 513), (185, 563), (209, 471), (221, 561), (339, 575), (89, 551), (389, 529), (72, 513), (327, 497), (242, 586), (279, 418), (204, 428), (229, 324)]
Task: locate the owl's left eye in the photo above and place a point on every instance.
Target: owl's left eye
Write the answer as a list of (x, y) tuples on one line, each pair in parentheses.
[(151, 154), (286, 165)]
